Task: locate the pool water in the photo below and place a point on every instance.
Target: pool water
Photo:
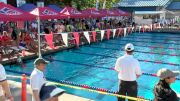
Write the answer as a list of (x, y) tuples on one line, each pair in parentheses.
[(81, 65)]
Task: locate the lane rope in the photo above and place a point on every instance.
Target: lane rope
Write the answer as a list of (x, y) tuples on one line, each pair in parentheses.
[(150, 35), (156, 62), (86, 88), (149, 41), (152, 38), (158, 53), (147, 46), (156, 43)]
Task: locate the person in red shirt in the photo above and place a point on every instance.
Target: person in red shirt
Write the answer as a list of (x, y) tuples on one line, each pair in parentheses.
[(6, 39)]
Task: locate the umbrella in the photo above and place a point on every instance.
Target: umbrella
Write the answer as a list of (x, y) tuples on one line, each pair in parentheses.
[(46, 13), (93, 13), (10, 13), (73, 13)]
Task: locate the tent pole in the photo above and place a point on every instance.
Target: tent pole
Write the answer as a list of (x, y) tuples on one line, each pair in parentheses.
[(39, 39)]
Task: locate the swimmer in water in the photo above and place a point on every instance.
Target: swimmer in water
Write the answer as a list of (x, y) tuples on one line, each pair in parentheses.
[(20, 61), (50, 58)]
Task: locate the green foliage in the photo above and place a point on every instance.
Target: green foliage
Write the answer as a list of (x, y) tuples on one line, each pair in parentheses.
[(80, 4)]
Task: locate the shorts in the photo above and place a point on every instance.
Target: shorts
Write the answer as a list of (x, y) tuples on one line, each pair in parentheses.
[(48, 91), (22, 44)]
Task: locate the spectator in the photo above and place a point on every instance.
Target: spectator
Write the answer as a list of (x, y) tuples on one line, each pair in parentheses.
[(41, 90), (129, 70), (162, 89), (5, 93)]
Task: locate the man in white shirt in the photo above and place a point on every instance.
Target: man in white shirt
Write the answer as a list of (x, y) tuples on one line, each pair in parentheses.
[(128, 69), (41, 90), (5, 93)]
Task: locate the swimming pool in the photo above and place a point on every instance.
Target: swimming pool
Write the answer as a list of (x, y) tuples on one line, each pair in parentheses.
[(88, 65)]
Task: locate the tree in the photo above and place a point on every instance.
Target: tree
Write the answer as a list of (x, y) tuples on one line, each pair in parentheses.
[(80, 4)]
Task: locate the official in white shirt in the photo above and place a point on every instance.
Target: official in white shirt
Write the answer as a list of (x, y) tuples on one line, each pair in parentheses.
[(5, 93), (42, 91), (128, 69)]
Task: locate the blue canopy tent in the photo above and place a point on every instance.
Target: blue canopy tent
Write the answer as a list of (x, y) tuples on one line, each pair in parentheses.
[(27, 7), (55, 7)]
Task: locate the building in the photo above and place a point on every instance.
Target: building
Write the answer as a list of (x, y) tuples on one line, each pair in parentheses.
[(148, 11), (174, 7)]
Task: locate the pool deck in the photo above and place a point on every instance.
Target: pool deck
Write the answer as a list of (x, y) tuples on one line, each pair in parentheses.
[(16, 92), (167, 30), (33, 55)]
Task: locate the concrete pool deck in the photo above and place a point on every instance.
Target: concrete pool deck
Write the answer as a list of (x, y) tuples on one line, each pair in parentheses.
[(16, 92)]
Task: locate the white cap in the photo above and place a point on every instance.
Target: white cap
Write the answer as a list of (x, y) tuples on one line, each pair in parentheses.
[(129, 47), (164, 73)]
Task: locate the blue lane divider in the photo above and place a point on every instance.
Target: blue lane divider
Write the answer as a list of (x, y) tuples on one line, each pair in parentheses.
[(152, 38), (158, 43), (155, 35), (149, 40), (158, 53), (141, 45), (156, 62)]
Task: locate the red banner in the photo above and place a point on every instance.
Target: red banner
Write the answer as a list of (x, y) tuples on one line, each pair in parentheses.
[(94, 36), (120, 30), (76, 36), (153, 26), (108, 33), (129, 29), (143, 29), (49, 40)]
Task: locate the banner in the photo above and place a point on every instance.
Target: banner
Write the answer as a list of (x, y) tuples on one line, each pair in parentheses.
[(76, 36), (139, 29), (151, 27), (102, 34), (125, 31), (49, 40), (143, 28), (114, 32), (94, 36), (129, 29), (86, 34), (135, 28), (120, 30), (154, 26), (132, 29), (65, 38), (108, 33)]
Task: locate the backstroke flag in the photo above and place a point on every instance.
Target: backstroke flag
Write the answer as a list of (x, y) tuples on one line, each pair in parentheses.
[(114, 32), (102, 34), (86, 34), (65, 38), (125, 30)]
